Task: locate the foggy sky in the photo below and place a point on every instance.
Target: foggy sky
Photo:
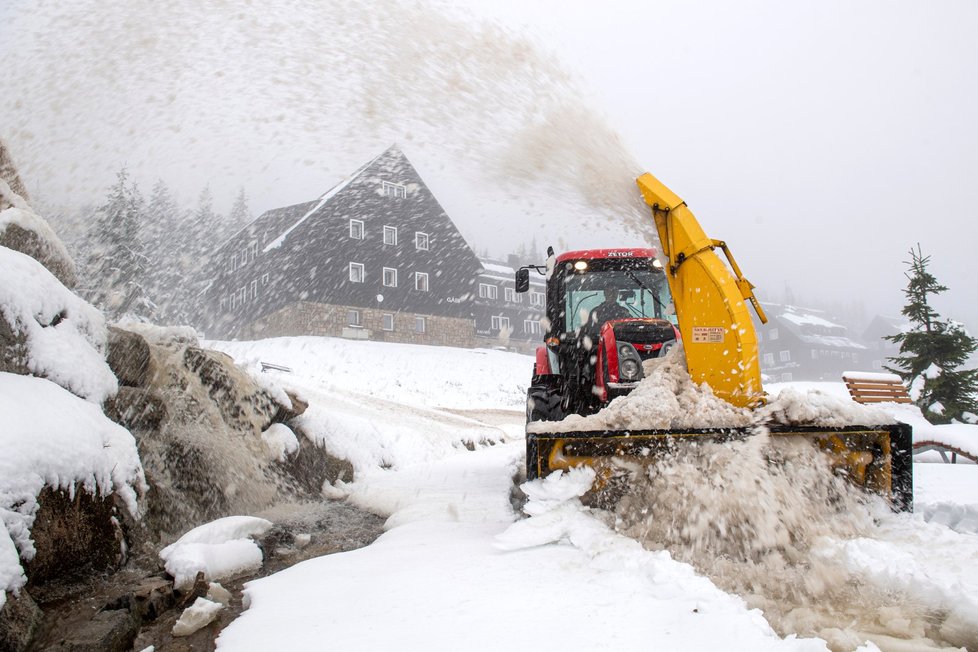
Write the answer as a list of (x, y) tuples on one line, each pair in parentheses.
[(820, 140)]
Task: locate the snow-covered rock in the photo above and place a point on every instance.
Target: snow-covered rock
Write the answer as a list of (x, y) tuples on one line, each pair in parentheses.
[(23, 230), (52, 438), (221, 548), (56, 334), (280, 441)]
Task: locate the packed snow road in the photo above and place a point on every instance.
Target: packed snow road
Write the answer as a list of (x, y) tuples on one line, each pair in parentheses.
[(436, 446)]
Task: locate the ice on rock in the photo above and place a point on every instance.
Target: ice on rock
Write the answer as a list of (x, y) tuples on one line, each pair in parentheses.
[(200, 614)]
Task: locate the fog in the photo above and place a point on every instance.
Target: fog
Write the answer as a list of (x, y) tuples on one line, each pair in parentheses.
[(820, 140)]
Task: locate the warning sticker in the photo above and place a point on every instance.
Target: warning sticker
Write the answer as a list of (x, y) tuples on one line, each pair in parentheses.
[(707, 334)]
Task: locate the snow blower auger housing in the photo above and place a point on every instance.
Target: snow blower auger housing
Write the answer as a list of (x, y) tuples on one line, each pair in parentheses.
[(609, 310)]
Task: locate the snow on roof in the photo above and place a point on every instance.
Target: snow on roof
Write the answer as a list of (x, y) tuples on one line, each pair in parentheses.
[(497, 268), (803, 319), (836, 341), (329, 194), (65, 336)]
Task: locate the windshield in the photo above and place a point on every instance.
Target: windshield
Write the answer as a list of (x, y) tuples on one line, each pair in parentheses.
[(625, 293)]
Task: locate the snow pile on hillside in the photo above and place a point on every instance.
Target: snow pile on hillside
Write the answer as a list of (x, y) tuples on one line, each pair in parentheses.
[(51, 437), (65, 336), (432, 376), (221, 548), (387, 405)]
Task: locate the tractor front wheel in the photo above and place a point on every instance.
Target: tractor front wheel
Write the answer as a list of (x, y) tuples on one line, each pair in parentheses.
[(543, 400)]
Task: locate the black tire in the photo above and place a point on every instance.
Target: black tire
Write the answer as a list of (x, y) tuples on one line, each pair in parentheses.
[(543, 400)]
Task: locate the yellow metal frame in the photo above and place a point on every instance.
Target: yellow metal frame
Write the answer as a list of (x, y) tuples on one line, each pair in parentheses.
[(711, 302)]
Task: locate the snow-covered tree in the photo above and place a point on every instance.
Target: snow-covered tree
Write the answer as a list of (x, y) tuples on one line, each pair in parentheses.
[(933, 351), (199, 235), (240, 215), (163, 246), (118, 262)]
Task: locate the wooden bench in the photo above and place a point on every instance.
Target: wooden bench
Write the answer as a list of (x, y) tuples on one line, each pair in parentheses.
[(943, 450), (875, 388), (265, 366)]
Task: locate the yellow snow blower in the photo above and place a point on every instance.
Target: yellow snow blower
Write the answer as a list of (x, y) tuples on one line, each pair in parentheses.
[(610, 310)]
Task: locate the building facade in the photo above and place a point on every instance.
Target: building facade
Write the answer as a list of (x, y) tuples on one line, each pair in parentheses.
[(502, 317), (801, 344), (376, 257)]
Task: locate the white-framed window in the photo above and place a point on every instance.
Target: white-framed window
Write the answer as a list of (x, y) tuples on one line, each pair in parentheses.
[(254, 289), (510, 295), (536, 298), (421, 281), (390, 235), (419, 325), (264, 279), (224, 304), (488, 291), (531, 327), (769, 359), (242, 296), (387, 321), (420, 241), (356, 273), (390, 277), (500, 322), (234, 262), (252, 251), (353, 318), (233, 300), (773, 335), (786, 378), (356, 229), (395, 190), (784, 356)]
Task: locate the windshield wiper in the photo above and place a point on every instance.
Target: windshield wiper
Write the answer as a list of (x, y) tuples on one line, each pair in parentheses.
[(632, 276)]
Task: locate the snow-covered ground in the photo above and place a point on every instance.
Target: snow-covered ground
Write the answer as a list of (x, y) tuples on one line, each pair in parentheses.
[(458, 568)]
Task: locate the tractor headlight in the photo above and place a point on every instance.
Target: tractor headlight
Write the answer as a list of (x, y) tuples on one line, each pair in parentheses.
[(630, 369), (629, 363)]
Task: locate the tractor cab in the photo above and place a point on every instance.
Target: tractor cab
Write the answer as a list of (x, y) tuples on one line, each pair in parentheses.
[(608, 310)]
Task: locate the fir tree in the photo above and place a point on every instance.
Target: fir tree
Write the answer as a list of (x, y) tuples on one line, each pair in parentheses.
[(200, 234), (932, 352), (240, 215), (163, 246), (119, 263)]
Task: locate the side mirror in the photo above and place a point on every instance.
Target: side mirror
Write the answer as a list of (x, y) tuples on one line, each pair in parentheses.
[(522, 279)]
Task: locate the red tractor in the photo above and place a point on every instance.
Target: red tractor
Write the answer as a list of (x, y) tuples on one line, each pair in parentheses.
[(608, 310)]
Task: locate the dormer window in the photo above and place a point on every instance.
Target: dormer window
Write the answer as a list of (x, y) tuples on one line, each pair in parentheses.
[(356, 229), (394, 190)]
